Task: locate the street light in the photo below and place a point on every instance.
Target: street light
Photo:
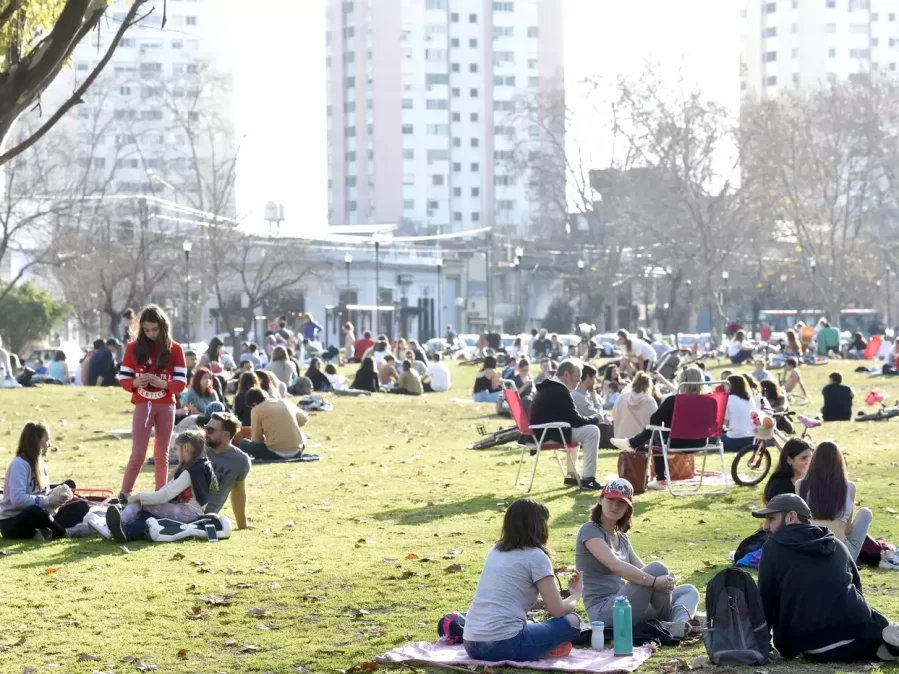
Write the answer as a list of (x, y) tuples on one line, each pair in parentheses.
[(519, 254), (349, 260), (439, 324), (377, 288), (580, 273), (186, 247)]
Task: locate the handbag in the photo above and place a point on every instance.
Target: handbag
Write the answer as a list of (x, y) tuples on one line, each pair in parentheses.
[(632, 467)]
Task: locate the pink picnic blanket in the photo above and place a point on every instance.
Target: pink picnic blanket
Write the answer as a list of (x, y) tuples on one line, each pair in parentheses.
[(441, 654)]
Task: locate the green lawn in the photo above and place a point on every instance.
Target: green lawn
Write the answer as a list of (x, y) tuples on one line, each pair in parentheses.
[(348, 555)]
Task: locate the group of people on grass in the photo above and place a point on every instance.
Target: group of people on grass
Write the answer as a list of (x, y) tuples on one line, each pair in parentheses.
[(809, 585)]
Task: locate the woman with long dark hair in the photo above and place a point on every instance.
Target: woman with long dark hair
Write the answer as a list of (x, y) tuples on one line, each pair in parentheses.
[(284, 368), (267, 384), (247, 381), (316, 376), (58, 368), (366, 378), (28, 499), (792, 346), (516, 570), (487, 386), (154, 372), (791, 467), (740, 431), (831, 497), (612, 568), (213, 353)]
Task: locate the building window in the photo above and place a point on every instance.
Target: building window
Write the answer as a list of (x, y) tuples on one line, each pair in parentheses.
[(437, 155), (770, 56), (509, 106), (407, 104), (770, 32), (892, 42), (503, 31), (351, 181), (475, 191), (409, 153), (455, 67), (456, 92), (832, 53), (408, 204), (473, 117), (408, 129), (505, 204), (892, 66), (454, 17), (457, 217), (433, 205), (438, 129), (176, 44), (503, 6), (457, 117), (795, 79), (473, 93), (472, 18), (858, 28), (771, 81), (795, 4), (350, 156), (795, 52), (891, 17), (473, 68), (435, 78), (769, 8), (475, 142), (349, 82), (190, 20), (457, 191), (457, 167), (875, 41), (501, 57), (454, 42), (533, 31), (350, 132), (435, 4), (859, 53), (475, 167), (457, 142), (437, 181), (831, 28), (129, 42), (475, 216), (351, 206), (795, 27)]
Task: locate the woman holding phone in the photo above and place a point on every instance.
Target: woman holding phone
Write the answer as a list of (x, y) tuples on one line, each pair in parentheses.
[(154, 372)]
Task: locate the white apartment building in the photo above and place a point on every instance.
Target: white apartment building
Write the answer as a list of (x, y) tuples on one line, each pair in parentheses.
[(126, 131), (787, 43), (421, 101)]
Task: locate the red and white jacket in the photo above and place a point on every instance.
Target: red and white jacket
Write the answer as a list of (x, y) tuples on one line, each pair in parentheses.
[(175, 374)]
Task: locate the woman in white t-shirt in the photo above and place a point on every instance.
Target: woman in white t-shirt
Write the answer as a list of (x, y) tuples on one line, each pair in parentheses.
[(639, 351), (740, 431), (516, 570), (739, 350)]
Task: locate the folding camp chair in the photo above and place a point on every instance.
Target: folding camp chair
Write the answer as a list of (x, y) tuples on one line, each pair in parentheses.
[(533, 438), (696, 417)]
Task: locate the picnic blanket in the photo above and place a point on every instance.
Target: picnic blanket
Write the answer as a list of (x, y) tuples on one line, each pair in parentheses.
[(442, 654), (303, 457)]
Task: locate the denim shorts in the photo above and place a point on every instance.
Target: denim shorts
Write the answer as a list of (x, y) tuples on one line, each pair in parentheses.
[(534, 642)]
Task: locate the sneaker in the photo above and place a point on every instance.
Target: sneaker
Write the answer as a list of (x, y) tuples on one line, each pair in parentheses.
[(678, 629), (114, 522), (78, 531), (123, 498), (570, 481), (98, 526), (560, 651), (890, 634), (658, 485), (622, 443), (888, 565), (42, 535), (590, 484)]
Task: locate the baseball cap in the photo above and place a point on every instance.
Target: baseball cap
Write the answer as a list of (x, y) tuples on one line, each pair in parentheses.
[(211, 409), (784, 503), (621, 489), (112, 341)]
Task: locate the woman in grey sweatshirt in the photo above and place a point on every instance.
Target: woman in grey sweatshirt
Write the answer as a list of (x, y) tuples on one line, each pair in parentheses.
[(29, 503)]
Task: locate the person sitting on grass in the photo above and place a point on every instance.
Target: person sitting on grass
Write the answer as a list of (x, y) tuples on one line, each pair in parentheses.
[(740, 431), (316, 376), (409, 383), (611, 568), (30, 508), (276, 425), (247, 381), (614, 394), (791, 467), (792, 346), (553, 403), (268, 384), (759, 371), (812, 594), (837, 399), (692, 379), (831, 496), (438, 375), (182, 499), (231, 467), (792, 378), (198, 395), (546, 366), (366, 378), (739, 350), (518, 569), (487, 386), (284, 368), (387, 374)]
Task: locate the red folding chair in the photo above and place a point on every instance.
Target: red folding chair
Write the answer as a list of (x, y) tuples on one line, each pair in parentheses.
[(696, 417), (538, 433)]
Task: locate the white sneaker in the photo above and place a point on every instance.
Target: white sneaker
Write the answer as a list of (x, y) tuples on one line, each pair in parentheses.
[(78, 531), (890, 634), (97, 524), (658, 485), (622, 444)]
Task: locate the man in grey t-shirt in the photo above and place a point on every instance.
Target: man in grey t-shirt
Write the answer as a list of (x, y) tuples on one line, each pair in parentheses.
[(231, 466)]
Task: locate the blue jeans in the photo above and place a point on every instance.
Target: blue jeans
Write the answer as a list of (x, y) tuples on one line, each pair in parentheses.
[(487, 396), (534, 642), (736, 444)]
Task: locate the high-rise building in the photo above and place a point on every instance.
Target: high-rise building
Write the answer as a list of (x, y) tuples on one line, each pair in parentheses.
[(160, 97), (806, 43), (422, 99)]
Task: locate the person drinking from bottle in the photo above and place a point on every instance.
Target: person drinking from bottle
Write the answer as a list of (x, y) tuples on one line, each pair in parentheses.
[(611, 568), (154, 372), (516, 570)]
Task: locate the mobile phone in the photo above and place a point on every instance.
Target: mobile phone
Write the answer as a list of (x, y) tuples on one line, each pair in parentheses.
[(211, 534)]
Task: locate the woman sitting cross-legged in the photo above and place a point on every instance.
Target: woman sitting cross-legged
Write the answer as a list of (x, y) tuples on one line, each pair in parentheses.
[(409, 383), (516, 570), (611, 568), (183, 499), (29, 507), (366, 378), (487, 386), (692, 379)]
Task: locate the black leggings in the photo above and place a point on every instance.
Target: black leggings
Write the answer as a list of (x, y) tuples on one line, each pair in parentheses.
[(858, 650), (259, 450), (26, 523)]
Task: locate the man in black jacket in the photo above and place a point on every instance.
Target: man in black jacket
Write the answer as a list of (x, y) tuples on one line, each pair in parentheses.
[(553, 403), (812, 593), (837, 400)]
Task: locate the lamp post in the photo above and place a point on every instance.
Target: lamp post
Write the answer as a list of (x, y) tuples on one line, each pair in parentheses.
[(460, 307), (580, 300), (519, 254), (377, 288), (349, 260), (439, 325), (186, 247)]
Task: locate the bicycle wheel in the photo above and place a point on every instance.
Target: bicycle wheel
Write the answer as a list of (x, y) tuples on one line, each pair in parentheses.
[(751, 465), (501, 437), (797, 400)]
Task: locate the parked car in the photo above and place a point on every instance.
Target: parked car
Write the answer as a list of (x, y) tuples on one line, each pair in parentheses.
[(74, 354)]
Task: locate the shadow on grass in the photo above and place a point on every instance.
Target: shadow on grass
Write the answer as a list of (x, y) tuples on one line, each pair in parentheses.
[(425, 514), (81, 551)]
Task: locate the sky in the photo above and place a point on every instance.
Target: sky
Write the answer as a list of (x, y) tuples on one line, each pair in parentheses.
[(280, 81)]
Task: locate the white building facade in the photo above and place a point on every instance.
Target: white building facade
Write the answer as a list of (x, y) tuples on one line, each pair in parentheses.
[(807, 43), (421, 109)]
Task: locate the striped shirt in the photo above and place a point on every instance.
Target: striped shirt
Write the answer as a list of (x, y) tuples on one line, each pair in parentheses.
[(175, 373)]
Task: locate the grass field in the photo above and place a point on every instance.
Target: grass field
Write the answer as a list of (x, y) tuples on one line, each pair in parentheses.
[(352, 555)]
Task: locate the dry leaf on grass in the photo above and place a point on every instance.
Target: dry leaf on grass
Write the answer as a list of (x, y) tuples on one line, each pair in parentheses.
[(256, 613), (707, 564), (249, 648), (50, 569), (182, 654), (177, 557), (87, 657), (455, 568), (364, 667), (411, 555), (452, 554)]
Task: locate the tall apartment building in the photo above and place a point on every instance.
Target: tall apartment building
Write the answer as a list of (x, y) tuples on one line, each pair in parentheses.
[(131, 130), (789, 43), (421, 101)]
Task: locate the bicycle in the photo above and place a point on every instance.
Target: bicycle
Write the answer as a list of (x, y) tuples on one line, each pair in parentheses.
[(503, 436), (756, 458), (883, 414)]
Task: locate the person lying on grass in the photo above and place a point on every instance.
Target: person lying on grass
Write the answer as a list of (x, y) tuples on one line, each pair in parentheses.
[(183, 499), (30, 508), (611, 568), (516, 570)]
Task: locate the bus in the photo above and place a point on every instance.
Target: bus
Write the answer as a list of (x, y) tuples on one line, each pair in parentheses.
[(869, 321)]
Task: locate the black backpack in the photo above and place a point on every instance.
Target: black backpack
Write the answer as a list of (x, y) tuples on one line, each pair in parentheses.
[(737, 633)]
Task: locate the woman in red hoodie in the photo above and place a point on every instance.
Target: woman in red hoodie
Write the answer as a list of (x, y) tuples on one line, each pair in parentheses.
[(154, 372)]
